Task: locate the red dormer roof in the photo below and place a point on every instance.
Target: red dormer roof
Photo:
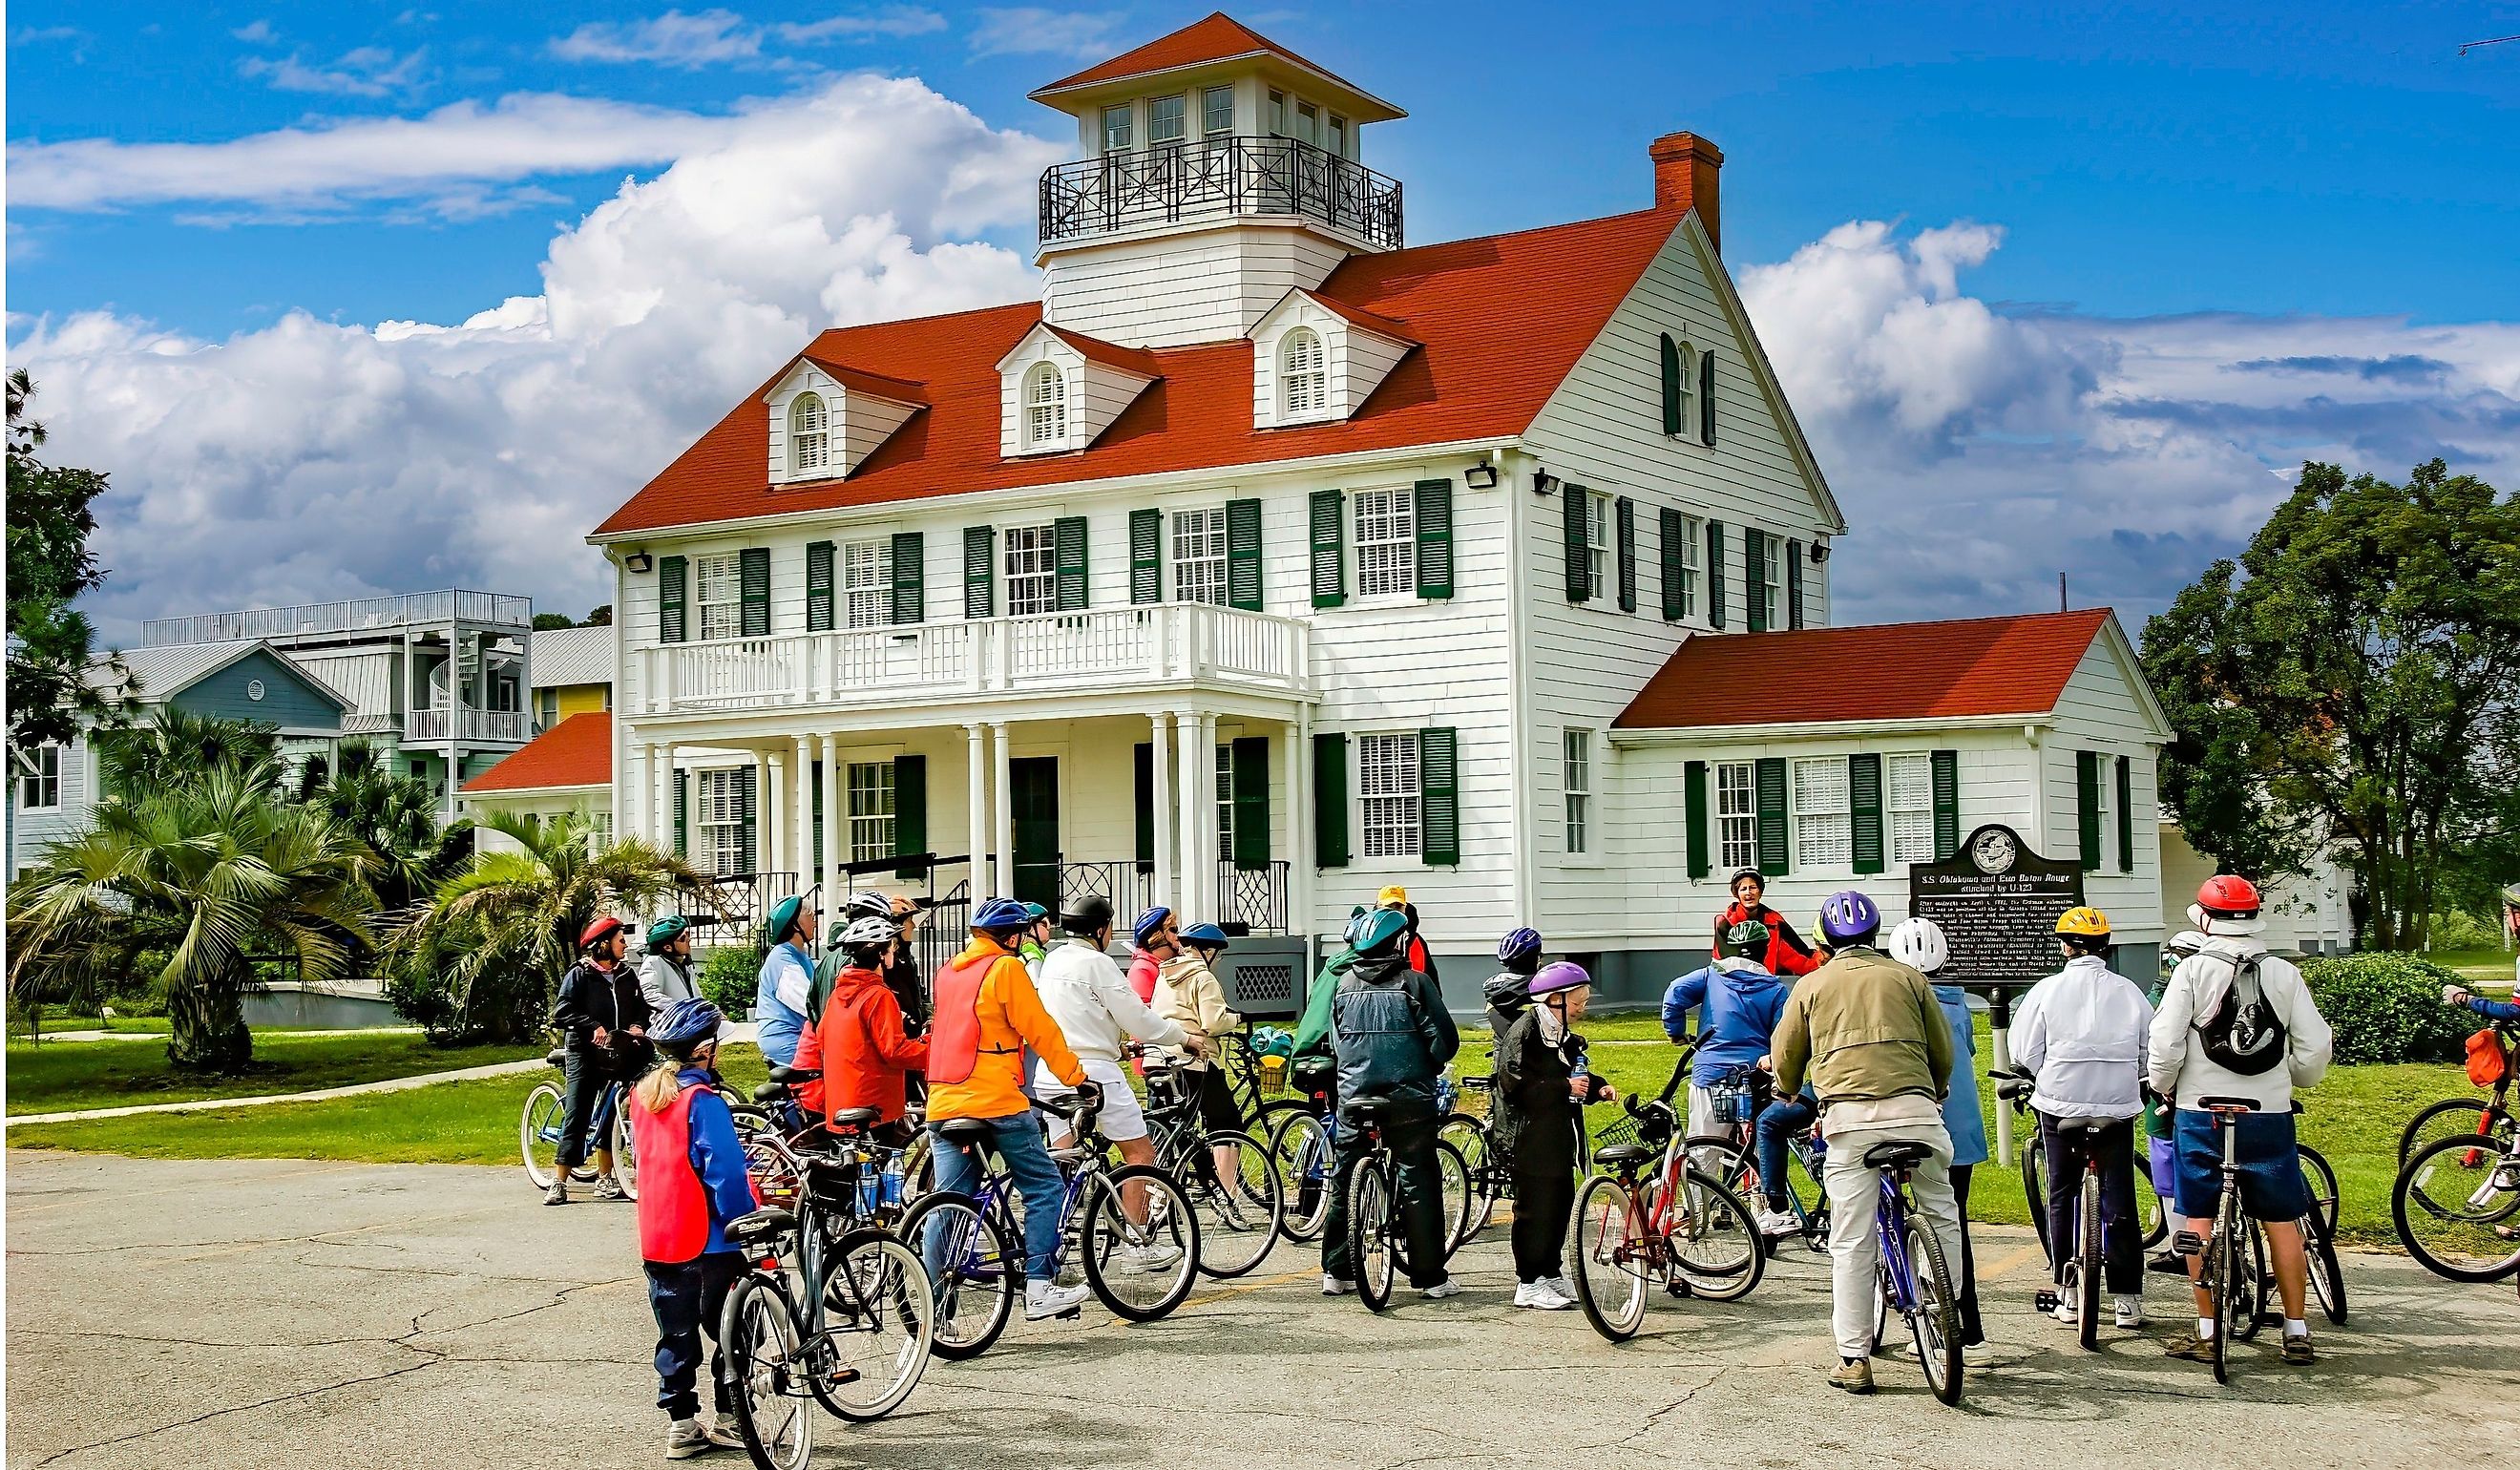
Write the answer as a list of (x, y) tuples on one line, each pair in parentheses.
[(1500, 320), (1962, 669), (1358, 316), (1217, 38), (875, 384), (575, 752), (1094, 349)]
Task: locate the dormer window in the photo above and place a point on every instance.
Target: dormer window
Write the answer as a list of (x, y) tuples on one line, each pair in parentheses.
[(809, 438), (825, 418), (1305, 373), (1045, 406)]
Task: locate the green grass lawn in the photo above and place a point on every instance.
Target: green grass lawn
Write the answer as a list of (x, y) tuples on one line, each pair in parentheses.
[(67, 1076), (126, 1025), (2492, 963)]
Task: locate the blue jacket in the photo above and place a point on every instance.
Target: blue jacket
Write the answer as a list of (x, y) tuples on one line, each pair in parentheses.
[(2493, 1011), (782, 1025), (1742, 1002), (717, 1158), (1960, 1116), (1392, 1033)]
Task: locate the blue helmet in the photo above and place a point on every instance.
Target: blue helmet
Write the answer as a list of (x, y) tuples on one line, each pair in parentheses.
[(1206, 936), (685, 1024), (999, 916), (1847, 916), (1148, 923), (1519, 947), (1379, 931)]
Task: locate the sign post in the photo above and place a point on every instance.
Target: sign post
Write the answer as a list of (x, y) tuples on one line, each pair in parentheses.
[(1997, 904)]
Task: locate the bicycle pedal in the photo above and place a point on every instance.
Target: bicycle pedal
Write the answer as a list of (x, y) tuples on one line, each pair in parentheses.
[(2188, 1243), (2046, 1301)]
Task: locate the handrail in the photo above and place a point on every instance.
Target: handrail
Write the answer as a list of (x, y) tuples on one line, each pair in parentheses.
[(343, 615), (1238, 174)]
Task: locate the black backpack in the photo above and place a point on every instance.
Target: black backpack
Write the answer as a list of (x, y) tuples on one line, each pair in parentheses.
[(2242, 1033)]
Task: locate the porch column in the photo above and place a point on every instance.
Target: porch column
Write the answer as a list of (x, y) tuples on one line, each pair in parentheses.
[(976, 787), (1299, 830), (1210, 839), (808, 866), (1003, 869), (1159, 798), (1194, 820), (660, 779), (764, 856), (834, 817)]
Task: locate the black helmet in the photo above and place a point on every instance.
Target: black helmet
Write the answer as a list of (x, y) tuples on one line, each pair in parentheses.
[(1752, 873), (1086, 915)]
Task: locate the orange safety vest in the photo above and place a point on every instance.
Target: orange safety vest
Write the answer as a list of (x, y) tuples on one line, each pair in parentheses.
[(673, 1208), (954, 1028)]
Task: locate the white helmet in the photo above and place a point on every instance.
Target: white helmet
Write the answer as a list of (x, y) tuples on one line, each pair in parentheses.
[(1919, 943), (2184, 943), (869, 931)]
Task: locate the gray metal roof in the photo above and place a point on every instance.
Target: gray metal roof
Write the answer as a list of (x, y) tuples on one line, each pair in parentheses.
[(573, 656), (168, 671)]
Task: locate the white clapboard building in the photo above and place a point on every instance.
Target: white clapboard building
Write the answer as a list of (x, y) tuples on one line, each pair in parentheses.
[(1267, 559)]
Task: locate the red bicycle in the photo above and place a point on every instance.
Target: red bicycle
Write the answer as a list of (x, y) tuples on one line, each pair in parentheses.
[(1646, 1217)]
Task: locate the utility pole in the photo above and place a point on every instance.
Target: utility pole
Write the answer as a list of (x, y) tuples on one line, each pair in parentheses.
[(2062, 605)]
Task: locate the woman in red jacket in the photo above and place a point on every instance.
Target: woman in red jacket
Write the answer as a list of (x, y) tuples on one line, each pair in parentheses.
[(1787, 953), (861, 1045)]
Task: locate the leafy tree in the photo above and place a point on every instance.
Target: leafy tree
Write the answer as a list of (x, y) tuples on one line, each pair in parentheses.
[(174, 748), (544, 622), (2347, 681), (199, 878), (51, 644), (394, 813), (601, 617)]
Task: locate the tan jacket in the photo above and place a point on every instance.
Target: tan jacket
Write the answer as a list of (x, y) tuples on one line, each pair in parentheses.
[(1187, 991), (1865, 1026)]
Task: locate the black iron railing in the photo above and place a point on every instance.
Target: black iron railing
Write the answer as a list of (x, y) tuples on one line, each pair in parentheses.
[(1218, 178), (744, 900), (1252, 899)]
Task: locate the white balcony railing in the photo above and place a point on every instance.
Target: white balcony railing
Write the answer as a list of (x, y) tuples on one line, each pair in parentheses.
[(1113, 648), (348, 615), (442, 723)]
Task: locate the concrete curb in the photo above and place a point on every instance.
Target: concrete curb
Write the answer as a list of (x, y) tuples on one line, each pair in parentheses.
[(206, 1104)]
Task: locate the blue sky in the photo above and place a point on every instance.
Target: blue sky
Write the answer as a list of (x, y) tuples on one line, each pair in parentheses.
[(2133, 187)]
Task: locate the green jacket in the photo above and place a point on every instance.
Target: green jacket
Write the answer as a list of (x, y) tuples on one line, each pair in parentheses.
[(1864, 1027), (1313, 1031)]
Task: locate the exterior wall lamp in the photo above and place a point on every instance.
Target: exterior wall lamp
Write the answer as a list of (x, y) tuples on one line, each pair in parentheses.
[(640, 563), (1481, 476), (1545, 483)]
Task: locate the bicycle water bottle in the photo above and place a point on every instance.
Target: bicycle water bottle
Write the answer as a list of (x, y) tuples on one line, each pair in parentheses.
[(890, 1188)]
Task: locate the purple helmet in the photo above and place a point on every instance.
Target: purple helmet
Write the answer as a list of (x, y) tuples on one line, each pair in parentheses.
[(1847, 916), (1564, 974)]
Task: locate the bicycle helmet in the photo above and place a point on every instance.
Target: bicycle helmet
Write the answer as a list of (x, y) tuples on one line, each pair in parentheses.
[(2227, 895), (1747, 938), (868, 904), (1378, 932), (2084, 924), (868, 934), (997, 917), (1563, 974), (1205, 937), (603, 927), (1521, 947), (782, 917), (667, 930), (1086, 916), (1148, 924), (1849, 917), (1919, 943), (1734, 882), (683, 1025)]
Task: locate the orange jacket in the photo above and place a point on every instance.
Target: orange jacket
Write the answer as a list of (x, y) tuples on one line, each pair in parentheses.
[(1010, 1018)]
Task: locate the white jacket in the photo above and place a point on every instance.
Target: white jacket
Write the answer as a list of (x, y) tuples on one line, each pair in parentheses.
[(664, 982), (2179, 1066), (2081, 1032), (1089, 997)]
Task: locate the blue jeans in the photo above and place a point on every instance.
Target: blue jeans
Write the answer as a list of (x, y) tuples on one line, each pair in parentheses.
[(1027, 1162), (1778, 1123), (688, 1298)]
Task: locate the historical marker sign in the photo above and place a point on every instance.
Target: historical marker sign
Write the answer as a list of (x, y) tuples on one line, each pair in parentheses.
[(1997, 903)]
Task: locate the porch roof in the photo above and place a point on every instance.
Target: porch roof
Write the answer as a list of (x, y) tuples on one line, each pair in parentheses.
[(575, 752)]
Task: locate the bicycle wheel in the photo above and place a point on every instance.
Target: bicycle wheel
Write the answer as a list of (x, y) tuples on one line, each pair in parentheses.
[(538, 1133), (766, 1376), (1714, 1241), (1935, 1323), (1240, 1209), (1453, 1180), (878, 1325), (1301, 1150), (2320, 1180), (2255, 1283), (1609, 1283), (2222, 1259), (2326, 1268), (778, 1175), (1140, 1271), (626, 1146), (2034, 1189), (2086, 1269), (1373, 1252), (2455, 1205), (1471, 1139), (975, 1267), (2451, 1118)]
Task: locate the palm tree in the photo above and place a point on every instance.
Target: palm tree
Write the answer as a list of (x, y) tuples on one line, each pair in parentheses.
[(198, 880), (394, 814), (485, 953), (175, 749)]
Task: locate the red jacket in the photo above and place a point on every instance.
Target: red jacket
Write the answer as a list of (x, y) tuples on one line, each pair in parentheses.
[(1144, 968), (861, 1048), (1787, 954)]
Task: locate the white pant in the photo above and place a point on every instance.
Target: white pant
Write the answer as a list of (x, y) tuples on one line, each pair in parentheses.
[(1853, 1208), (1123, 1118)]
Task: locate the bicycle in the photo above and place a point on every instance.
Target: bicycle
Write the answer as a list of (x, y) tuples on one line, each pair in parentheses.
[(854, 1330), (1304, 1144), (2457, 1206), (1733, 1157), (1916, 1284), (2235, 1275), (1376, 1246), (538, 1132), (2149, 1208), (1487, 1165), (2484, 1123), (2080, 1277), (1677, 1225), (974, 1252), (1238, 1216)]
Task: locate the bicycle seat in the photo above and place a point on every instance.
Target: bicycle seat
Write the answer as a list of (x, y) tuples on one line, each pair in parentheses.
[(762, 1226), (2227, 1105), (1898, 1153), (770, 1092), (1366, 1109), (2084, 1125), (854, 1117), (557, 1057), (1622, 1155), (966, 1131), (794, 1073)]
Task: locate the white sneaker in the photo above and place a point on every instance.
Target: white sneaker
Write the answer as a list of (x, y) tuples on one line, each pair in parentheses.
[(2069, 1310), (558, 1193), (1778, 1223), (1447, 1287), (1563, 1286), (1146, 1259), (2129, 1312), (1336, 1286), (721, 1432), (1043, 1300), (1541, 1296), (609, 1188), (686, 1439), (1977, 1355)]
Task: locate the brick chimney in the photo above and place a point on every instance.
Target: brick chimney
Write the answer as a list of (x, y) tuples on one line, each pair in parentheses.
[(1685, 171)]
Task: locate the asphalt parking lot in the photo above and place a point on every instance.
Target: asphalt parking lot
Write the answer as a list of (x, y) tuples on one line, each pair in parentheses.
[(328, 1317)]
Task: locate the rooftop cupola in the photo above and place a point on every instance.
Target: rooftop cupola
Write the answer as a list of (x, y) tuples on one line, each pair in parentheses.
[(1216, 170)]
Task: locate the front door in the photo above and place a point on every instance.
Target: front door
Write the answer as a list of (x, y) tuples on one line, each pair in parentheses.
[(1034, 800)]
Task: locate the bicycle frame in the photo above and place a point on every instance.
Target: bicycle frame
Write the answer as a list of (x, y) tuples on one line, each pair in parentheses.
[(1890, 1223)]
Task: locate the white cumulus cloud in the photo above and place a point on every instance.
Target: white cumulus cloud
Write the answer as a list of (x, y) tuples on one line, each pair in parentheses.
[(718, 37), (1034, 30)]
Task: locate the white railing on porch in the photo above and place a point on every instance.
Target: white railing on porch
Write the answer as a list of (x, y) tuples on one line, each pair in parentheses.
[(439, 724), (1110, 648)]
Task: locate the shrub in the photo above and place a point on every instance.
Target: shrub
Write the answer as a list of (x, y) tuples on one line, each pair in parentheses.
[(730, 978), (2388, 1009), (2464, 931)]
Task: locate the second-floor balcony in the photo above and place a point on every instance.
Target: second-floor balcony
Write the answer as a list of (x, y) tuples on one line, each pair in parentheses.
[(345, 615), (1218, 178), (1154, 645), (509, 726)]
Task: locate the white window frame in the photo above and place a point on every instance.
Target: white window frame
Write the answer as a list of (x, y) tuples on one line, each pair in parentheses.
[(1575, 751), (1197, 545), (1822, 821), (1386, 542), (1308, 123), (1736, 815), (1907, 793), (1342, 137), (1303, 384), (1028, 566), (598, 832), (1771, 578), (1207, 123), (717, 821), (545, 708), (1045, 406), (1182, 121), (1596, 542), (866, 583), (1124, 137), (809, 435), (721, 572), (1388, 794), (872, 810), (1688, 390), (1692, 566), (1276, 120), (2105, 766), (41, 778)]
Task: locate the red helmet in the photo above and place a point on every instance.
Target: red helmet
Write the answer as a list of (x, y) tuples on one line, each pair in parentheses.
[(2229, 895), (604, 928)]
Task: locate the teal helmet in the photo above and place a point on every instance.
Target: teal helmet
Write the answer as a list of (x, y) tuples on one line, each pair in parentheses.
[(782, 917), (1378, 932), (667, 930)]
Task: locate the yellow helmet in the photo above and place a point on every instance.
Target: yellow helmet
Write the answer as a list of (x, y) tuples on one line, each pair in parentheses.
[(2082, 923)]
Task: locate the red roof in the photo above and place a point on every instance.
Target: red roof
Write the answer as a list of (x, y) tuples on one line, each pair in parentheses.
[(1110, 354), (1219, 37), (1500, 321), (857, 381), (575, 752), (1360, 317), (1888, 671)]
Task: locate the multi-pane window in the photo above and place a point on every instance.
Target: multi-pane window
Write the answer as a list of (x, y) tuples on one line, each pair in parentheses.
[(721, 589), (717, 823), (1736, 815), (1045, 405), (1305, 373), (1116, 128), (1338, 135), (1579, 791), (1225, 799), (869, 810), (1216, 109), (1823, 828), (1771, 578), (1387, 786), (1909, 780), (39, 781), (866, 583), (1308, 123), (1276, 119), (1167, 119), (1597, 543), (598, 831), (1386, 542), (1692, 547), (1199, 555), (1685, 394), (809, 438), (545, 708), (1032, 570)]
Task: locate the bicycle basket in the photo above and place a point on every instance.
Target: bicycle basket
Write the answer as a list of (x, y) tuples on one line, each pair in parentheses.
[(1623, 1130), (1478, 1098), (1273, 1073)]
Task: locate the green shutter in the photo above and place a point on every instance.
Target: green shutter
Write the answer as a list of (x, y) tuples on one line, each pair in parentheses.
[(2126, 813), (1864, 799), (673, 587), (909, 577), (979, 571), (1947, 805), (1242, 555), (749, 798), (1674, 532), (1692, 779), (1714, 574), (1067, 537), (1251, 801), (1142, 790), (2086, 806), (1776, 850), (814, 857), (756, 592), (818, 587), (1434, 538), (1145, 556), (1794, 583), (1577, 548), (682, 813), (1670, 425), (1706, 396), (909, 814), (1329, 556), (1626, 528), (1439, 798), (1754, 576), (1329, 800)]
